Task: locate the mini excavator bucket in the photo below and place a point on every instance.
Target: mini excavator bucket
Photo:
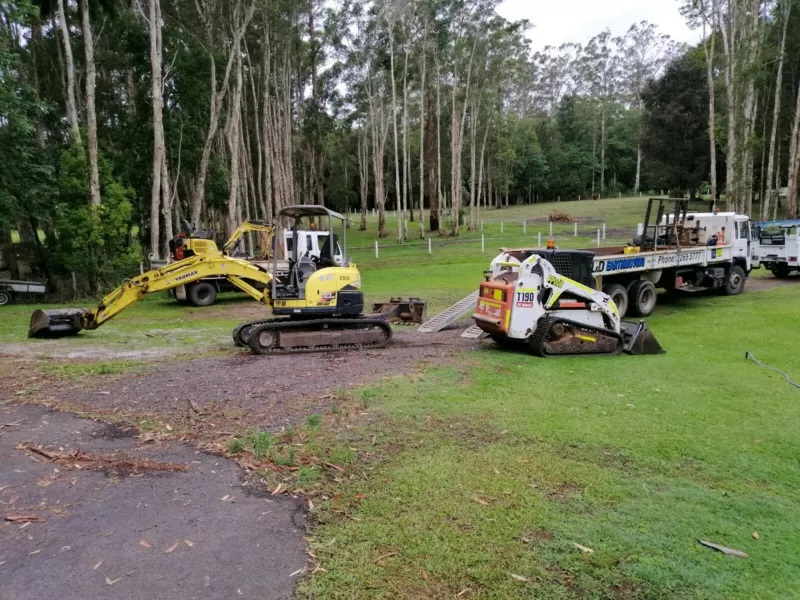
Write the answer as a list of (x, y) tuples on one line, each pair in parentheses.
[(402, 310), (638, 339), (56, 322)]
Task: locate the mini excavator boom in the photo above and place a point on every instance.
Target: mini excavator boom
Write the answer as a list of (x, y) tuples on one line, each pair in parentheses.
[(51, 323)]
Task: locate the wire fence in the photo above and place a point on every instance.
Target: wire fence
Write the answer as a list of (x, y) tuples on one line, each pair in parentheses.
[(508, 233)]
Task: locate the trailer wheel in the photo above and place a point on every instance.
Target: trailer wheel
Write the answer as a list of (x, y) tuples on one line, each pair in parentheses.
[(734, 284), (5, 297), (201, 293), (619, 295), (643, 298), (781, 271)]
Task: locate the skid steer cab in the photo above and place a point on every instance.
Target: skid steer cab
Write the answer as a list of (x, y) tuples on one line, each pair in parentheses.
[(544, 299)]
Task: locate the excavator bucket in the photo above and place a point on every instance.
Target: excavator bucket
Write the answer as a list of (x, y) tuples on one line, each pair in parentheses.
[(638, 339), (56, 322), (401, 310)]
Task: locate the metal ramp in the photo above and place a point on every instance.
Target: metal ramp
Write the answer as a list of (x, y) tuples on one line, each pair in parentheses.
[(474, 333), (451, 315)]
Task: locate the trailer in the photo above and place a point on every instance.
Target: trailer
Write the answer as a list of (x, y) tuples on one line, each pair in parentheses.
[(9, 288), (777, 246), (678, 251)]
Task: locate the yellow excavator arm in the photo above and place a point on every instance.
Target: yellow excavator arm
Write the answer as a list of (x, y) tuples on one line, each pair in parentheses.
[(250, 227), (238, 272)]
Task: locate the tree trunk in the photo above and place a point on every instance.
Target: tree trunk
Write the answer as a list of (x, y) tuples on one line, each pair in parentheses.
[(473, 216), (398, 208), (456, 145), (363, 177), (158, 123), (91, 116), (431, 164), (708, 49), (794, 165), (234, 143), (772, 185), (72, 105)]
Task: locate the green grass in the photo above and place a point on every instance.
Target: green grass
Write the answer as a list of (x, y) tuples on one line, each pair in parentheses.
[(76, 370), (505, 461)]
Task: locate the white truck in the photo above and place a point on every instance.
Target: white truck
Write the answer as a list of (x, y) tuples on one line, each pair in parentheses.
[(777, 246), (679, 251)]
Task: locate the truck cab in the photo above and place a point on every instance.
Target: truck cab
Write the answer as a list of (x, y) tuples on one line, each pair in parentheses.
[(310, 243), (777, 246)]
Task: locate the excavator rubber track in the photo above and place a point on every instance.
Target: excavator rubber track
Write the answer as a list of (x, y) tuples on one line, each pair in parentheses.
[(560, 337), (290, 336)]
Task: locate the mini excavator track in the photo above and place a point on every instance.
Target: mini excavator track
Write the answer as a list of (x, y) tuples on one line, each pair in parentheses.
[(560, 337), (291, 336)]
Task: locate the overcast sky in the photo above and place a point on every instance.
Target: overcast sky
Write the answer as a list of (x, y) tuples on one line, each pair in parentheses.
[(559, 21)]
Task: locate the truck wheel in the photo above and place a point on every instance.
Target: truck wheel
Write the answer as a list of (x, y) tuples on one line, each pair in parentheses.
[(781, 271), (734, 284), (201, 293), (619, 295), (5, 297), (643, 298)]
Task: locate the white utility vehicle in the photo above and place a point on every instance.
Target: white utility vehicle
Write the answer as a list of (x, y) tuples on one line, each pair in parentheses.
[(777, 246)]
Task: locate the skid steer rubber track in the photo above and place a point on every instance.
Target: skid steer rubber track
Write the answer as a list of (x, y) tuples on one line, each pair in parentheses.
[(290, 336), (560, 337)]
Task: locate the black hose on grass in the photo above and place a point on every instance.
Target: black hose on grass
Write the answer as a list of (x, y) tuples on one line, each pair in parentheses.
[(749, 355)]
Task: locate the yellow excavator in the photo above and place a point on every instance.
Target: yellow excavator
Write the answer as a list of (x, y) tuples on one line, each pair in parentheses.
[(318, 305), (191, 242)]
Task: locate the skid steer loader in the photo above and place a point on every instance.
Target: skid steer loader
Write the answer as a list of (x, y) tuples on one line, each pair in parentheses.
[(543, 299)]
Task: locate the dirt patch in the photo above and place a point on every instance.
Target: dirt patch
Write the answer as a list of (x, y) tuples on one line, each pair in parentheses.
[(271, 392), (537, 535), (563, 491), (756, 284)]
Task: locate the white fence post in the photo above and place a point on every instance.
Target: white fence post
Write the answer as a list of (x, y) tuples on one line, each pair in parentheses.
[(598, 238), (524, 228), (604, 231), (483, 244), (639, 229), (429, 245), (539, 239), (576, 229), (376, 248), (501, 227), (551, 229)]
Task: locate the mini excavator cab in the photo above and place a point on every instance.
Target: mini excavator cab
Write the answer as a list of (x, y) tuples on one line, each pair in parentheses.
[(316, 286)]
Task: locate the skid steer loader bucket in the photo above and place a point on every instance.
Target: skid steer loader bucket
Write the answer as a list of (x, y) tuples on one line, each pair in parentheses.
[(402, 310), (56, 322), (638, 339)]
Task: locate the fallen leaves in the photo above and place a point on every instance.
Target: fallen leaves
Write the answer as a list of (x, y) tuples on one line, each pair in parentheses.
[(755, 535), (228, 498), (723, 549), (78, 459), (145, 544), (584, 549), (383, 557), (110, 581), (172, 548), (480, 501), (24, 519), (424, 574), (519, 578)]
